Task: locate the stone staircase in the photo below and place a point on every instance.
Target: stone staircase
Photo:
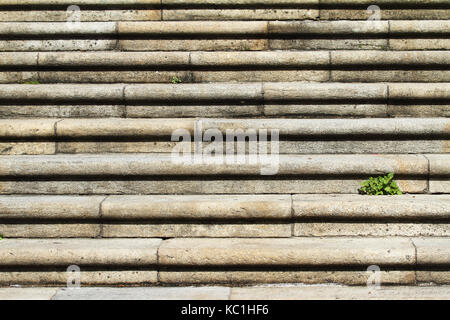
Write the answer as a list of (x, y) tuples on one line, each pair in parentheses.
[(90, 97)]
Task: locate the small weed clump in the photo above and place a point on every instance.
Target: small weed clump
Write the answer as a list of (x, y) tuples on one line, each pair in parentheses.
[(175, 80), (384, 185)]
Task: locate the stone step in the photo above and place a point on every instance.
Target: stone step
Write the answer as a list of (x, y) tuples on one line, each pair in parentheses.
[(163, 174), (225, 35), (212, 216), (219, 261), (133, 67)]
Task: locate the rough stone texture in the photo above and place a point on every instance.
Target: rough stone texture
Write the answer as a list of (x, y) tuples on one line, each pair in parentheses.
[(12, 59), (242, 14), (197, 207), (419, 110), (186, 293), (329, 44), (27, 128), (286, 252), (391, 58), (57, 28), (419, 44), (337, 127), (194, 92), (27, 293), (193, 28), (277, 91), (192, 44), (27, 148), (85, 16), (439, 164), (357, 207), (88, 277), (433, 277), (412, 91), (122, 127), (17, 77), (50, 230), (365, 229), (272, 277), (328, 27), (391, 75), (330, 111), (216, 186), (432, 251), (163, 164), (58, 45), (118, 147), (83, 252), (341, 293), (261, 75), (62, 92), (61, 111), (80, 2), (208, 230), (420, 27), (385, 14), (183, 111), (50, 207), (237, 3), (113, 59), (440, 185)]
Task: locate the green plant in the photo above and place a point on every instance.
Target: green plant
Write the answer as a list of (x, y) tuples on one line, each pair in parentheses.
[(175, 80), (31, 82), (1, 237), (383, 185)]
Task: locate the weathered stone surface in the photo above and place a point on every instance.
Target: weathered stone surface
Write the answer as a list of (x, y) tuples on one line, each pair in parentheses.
[(322, 110), (391, 58), (215, 186), (50, 230), (271, 277), (390, 2), (358, 207), (12, 59), (439, 164), (155, 293), (423, 91), (113, 76), (419, 44), (27, 148), (58, 45), (61, 111), (122, 127), (365, 229), (83, 252), (261, 75), (385, 14), (286, 252), (433, 277), (390, 75), (113, 59), (194, 92), (163, 164), (420, 27), (17, 77), (341, 293), (116, 147), (440, 185), (183, 111), (21, 128), (328, 27), (57, 28), (323, 91), (85, 16), (432, 251), (206, 230), (192, 44), (62, 92), (413, 110), (237, 3), (50, 207), (337, 127), (27, 293), (193, 27), (88, 277), (329, 44), (80, 2), (242, 14), (197, 207)]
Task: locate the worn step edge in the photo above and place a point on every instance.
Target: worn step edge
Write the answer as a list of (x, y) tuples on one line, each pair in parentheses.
[(186, 165)]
